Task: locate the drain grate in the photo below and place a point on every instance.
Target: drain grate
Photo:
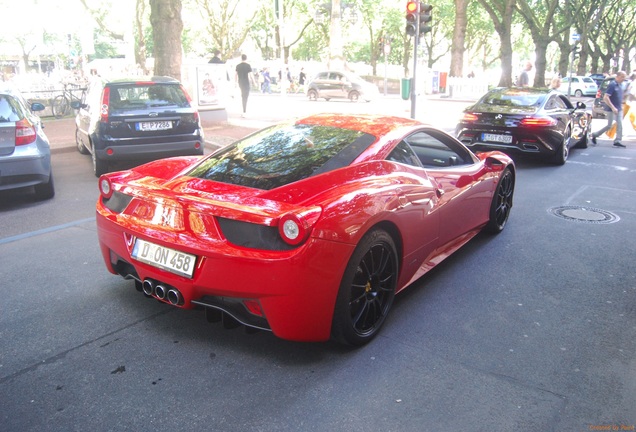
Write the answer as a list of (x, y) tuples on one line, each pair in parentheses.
[(584, 214)]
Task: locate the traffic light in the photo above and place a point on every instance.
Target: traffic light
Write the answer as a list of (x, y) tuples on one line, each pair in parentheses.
[(425, 16), (412, 13)]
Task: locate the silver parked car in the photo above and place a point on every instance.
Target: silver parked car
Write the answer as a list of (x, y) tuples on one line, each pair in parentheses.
[(25, 154), (341, 85)]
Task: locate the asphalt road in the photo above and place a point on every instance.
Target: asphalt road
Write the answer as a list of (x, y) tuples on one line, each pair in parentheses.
[(530, 330)]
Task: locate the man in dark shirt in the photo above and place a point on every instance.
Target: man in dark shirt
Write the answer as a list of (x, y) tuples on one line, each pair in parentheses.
[(243, 77), (613, 99), (216, 59)]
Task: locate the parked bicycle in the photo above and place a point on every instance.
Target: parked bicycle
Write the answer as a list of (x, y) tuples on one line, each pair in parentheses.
[(61, 105)]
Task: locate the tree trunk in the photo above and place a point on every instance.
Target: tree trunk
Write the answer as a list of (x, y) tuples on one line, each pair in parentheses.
[(140, 43), (501, 12), (459, 37), (564, 58), (165, 17), (336, 56), (540, 50), (506, 62)]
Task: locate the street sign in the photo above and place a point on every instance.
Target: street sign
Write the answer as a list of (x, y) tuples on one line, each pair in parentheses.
[(576, 36)]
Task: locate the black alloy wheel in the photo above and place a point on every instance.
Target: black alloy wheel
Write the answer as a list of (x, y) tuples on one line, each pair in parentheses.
[(354, 96), (563, 151), (501, 202), (367, 290), (312, 95)]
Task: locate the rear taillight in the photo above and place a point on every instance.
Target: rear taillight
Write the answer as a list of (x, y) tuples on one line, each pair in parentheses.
[(469, 117), (294, 227), (188, 98), (538, 121), (24, 132), (598, 94), (103, 112), (105, 187)]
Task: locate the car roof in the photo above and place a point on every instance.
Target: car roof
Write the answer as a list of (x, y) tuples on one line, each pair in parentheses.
[(142, 79)]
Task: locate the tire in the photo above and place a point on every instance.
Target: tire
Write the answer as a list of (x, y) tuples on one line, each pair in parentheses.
[(563, 151), (367, 290), (80, 145), (354, 96), (501, 203), (578, 93), (312, 95), (99, 166), (60, 106), (45, 190)]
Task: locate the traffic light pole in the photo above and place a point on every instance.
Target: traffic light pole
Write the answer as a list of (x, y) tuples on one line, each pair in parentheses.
[(418, 15), (416, 42)]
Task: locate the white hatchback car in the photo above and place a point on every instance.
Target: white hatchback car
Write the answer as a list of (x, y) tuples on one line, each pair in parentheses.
[(580, 86)]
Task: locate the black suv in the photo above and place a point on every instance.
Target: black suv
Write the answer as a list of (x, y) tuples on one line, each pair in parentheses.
[(137, 119)]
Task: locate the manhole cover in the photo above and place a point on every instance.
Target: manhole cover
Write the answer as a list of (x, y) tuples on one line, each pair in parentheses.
[(584, 214)]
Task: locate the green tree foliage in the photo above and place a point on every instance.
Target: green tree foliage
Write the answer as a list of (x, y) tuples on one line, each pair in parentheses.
[(480, 34)]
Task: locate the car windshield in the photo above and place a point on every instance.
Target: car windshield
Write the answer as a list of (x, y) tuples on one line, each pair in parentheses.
[(513, 99), (136, 96), (283, 154)]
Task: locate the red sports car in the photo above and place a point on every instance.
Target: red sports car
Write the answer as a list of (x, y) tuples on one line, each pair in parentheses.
[(307, 229)]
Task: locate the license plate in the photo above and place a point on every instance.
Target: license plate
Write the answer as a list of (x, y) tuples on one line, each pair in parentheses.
[(154, 125), (174, 261), (506, 139)]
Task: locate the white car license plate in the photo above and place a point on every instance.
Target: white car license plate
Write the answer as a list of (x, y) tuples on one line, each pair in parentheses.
[(506, 139), (174, 261), (154, 125)]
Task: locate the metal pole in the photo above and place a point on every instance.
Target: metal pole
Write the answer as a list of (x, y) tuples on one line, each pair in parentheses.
[(283, 72), (416, 42)]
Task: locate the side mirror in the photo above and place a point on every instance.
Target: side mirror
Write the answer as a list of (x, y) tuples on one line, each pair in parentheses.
[(580, 105), (36, 106)]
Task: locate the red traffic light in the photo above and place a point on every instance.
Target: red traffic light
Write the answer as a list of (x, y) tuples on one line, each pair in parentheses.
[(411, 6)]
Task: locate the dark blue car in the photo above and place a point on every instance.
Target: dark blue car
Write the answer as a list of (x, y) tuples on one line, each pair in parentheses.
[(137, 119)]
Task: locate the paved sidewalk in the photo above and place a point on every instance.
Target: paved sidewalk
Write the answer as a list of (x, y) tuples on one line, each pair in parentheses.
[(61, 133)]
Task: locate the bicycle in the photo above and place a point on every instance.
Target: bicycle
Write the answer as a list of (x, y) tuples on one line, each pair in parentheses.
[(61, 105)]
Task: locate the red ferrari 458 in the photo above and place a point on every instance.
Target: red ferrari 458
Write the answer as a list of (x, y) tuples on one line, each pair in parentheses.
[(307, 229)]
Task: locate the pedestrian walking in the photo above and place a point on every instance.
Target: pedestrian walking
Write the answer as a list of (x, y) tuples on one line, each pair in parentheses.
[(267, 81), (302, 78), (613, 107), (244, 80), (524, 78)]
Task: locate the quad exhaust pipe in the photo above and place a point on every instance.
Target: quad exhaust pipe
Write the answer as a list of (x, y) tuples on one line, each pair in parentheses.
[(162, 292)]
